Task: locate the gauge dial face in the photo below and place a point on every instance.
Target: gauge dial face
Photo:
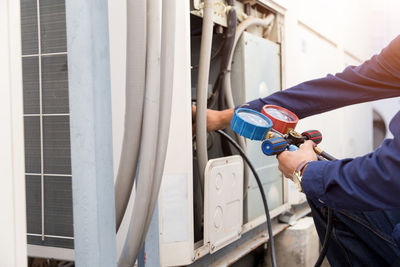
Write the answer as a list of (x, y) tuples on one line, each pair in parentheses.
[(279, 114), (254, 118)]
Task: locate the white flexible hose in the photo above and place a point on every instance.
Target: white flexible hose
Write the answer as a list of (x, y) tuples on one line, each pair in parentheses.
[(227, 78), (148, 150), (167, 78), (135, 84), (202, 88)]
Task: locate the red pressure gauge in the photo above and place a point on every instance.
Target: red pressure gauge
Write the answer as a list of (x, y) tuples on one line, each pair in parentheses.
[(283, 120)]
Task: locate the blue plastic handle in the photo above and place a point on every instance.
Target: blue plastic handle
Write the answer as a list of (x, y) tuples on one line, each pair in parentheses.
[(251, 124), (274, 146)]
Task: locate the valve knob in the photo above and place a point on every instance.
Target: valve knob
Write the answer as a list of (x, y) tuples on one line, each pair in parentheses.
[(294, 138), (313, 135), (274, 145), (250, 124)]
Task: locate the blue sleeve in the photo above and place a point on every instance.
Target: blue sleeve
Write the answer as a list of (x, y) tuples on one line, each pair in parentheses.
[(376, 78), (365, 183)]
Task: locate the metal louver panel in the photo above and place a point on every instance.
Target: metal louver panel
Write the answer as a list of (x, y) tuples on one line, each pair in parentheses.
[(46, 121)]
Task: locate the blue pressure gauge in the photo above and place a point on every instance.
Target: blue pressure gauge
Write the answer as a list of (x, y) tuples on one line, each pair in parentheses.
[(251, 124)]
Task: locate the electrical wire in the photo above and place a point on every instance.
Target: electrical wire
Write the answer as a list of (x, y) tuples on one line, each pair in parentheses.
[(329, 224), (325, 245), (327, 156), (264, 199)]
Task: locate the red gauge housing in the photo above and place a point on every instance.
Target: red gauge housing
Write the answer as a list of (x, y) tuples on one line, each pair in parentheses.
[(284, 120)]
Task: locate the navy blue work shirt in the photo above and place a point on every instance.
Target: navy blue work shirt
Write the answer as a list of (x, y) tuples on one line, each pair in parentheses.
[(370, 182)]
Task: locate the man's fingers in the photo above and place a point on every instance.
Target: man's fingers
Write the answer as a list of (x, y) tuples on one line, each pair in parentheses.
[(283, 154), (308, 149), (307, 145)]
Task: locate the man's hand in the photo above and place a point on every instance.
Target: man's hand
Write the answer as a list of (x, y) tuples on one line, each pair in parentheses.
[(216, 120), (290, 160)]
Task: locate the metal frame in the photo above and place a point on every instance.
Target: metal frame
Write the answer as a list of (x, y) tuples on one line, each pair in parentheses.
[(51, 252), (46, 54), (12, 163), (40, 116), (233, 252), (51, 236)]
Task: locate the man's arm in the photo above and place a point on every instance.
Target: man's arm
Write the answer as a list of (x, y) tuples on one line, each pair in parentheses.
[(375, 79), (364, 183)]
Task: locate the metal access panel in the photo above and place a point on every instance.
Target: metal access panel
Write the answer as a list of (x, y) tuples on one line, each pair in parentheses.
[(223, 201), (47, 129), (256, 72)]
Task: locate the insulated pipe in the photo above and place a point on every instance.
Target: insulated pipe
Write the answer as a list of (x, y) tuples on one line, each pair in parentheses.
[(167, 78), (227, 77), (227, 48), (148, 150), (202, 88), (135, 84)]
